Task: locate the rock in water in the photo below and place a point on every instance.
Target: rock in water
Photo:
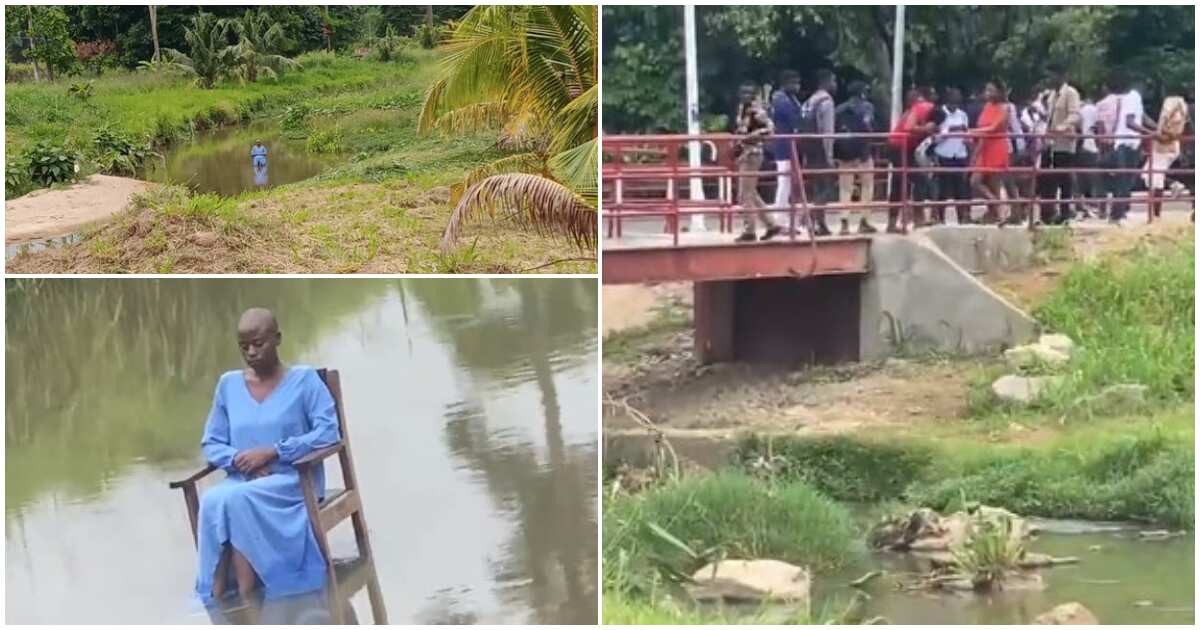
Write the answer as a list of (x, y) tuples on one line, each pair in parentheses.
[(752, 580), (1021, 389), (1069, 614)]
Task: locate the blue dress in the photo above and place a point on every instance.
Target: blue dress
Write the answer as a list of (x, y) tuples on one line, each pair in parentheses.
[(265, 518), (258, 155)]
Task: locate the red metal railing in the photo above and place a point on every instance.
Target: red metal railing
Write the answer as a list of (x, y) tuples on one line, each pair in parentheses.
[(645, 176)]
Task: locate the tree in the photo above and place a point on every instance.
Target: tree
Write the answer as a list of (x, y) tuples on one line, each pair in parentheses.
[(50, 41), (529, 71), (210, 59), (154, 32), (259, 40)]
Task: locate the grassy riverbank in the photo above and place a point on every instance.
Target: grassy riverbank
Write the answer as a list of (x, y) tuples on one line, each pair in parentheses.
[(380, 208)]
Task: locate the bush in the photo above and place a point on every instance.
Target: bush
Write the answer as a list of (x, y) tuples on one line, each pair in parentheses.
[(325, 141), (50, 163), (316, 59), (81, 90), (426, 35), (16, 178), (295, 117), (116, 153), (720, 515)]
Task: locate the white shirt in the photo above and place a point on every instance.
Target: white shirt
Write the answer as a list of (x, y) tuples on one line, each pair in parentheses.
[(1087, 120), (953, 147), (1129, 105)]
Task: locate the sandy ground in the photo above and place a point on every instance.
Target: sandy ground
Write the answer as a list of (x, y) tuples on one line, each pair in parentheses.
[(59, 212), (685, 399)]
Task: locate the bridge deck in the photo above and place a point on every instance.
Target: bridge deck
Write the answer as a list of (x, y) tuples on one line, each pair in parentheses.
[(706, 256)]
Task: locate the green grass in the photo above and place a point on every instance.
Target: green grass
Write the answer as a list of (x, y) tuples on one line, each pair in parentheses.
[(164, 107), (624, 610), (722, 515), (1120, 468), (1132, 319)]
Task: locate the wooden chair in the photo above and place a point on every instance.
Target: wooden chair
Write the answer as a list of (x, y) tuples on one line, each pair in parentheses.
[(338, 505)]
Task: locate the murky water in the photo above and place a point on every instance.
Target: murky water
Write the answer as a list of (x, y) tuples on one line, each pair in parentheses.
[(1121, 579), (471, 409), (218, 161)]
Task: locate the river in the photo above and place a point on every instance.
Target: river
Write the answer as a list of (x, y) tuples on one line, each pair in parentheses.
[(471, 408), (218, 160)]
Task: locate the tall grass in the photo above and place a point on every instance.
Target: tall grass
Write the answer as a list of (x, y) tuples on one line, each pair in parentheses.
[(1133, 318), (676, 528)]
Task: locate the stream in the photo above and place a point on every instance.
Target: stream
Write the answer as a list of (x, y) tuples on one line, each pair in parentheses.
[(218, 160), (471, 410)]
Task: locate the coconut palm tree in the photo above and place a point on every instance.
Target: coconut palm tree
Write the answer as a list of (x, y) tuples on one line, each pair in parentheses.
[(154, 32), (259, 40), (529, 71), (210, 59)]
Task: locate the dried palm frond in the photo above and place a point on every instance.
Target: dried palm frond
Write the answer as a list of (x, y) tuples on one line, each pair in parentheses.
[(542, 204)]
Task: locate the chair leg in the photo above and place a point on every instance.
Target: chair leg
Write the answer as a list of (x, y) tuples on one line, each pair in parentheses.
[(375, 594), (336, 611)]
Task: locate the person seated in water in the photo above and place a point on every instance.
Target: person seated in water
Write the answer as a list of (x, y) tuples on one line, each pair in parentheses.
[(254, 524), (258, 154)]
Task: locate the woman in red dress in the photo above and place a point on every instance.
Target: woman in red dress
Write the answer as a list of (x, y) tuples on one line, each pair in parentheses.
[(991, 152)]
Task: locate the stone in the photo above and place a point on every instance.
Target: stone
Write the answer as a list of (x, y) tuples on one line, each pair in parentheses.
[(1033, 560), (1069, 614), (1022, 389), (1033, 354), (205, 239), (1059, 342), (751, 580)]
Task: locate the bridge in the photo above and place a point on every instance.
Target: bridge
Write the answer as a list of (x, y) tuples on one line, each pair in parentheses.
[(797, 298)]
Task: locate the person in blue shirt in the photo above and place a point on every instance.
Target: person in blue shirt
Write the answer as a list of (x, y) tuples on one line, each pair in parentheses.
[(253, 527), (785, 114), (258, 154)]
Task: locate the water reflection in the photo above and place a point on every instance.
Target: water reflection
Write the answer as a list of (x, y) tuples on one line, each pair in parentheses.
[(219, 161), (471, 405), (308, 608)]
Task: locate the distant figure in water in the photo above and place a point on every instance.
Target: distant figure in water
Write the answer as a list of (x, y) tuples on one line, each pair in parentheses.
[(258, 154), (253, 526)]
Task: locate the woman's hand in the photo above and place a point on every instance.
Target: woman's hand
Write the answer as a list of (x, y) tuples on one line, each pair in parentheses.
[(250, 460)]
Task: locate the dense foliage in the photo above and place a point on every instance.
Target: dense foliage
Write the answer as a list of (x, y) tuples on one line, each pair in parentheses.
[(945, 45), (127, 28)]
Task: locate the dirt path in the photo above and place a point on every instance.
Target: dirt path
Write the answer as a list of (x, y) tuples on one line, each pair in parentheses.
[(59, 212)]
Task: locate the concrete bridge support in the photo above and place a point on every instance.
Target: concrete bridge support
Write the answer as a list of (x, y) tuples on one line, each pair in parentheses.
[(914, 298)]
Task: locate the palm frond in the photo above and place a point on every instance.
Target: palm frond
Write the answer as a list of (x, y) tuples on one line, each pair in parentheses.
[(475, 117), (537, 202), (531, 163), (576, 167)]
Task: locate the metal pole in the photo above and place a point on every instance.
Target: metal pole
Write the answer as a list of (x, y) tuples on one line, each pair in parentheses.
[(693, 107), (898, 66)]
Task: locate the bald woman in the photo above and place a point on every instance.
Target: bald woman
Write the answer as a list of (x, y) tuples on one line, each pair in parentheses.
[(253, 527)]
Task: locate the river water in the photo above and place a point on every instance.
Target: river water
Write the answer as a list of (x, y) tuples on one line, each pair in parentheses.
[(471, 408), (218, 160)]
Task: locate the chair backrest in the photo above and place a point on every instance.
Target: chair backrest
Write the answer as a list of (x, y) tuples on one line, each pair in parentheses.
[(334, 382)]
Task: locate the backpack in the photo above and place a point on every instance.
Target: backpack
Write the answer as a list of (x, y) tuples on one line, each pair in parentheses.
[(851, 120), (811, 148)]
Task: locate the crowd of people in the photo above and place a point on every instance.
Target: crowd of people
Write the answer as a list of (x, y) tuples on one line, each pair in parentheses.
[(1089, 149)]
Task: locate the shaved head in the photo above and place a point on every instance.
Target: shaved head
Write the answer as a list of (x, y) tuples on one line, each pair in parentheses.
[(258, 339), (258, 318)]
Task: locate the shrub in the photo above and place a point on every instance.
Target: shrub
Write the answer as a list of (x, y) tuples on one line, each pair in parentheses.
[(117, 153), (426, 35), (295, 117), (50, 163), (81, 90), (16, 178), (325, 141), (316, 59)]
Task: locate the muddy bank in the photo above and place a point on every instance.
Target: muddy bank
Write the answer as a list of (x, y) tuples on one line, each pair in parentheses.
[(50, 213)]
